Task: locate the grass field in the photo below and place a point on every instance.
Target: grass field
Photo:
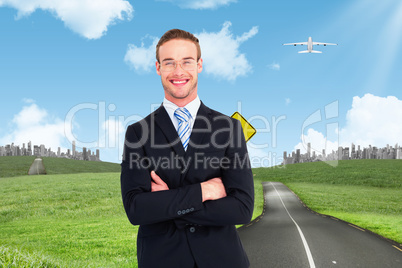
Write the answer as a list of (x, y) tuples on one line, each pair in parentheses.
[(78, 220), (12, 166), (74, 220), (367, 193)]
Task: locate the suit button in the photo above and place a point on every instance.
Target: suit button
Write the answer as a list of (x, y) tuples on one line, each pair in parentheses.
[(192, 229), (183, 212), (179, 212), (191, 209), (187, 210)]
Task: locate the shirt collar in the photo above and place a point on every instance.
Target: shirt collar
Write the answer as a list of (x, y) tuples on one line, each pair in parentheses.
[(192, 107)]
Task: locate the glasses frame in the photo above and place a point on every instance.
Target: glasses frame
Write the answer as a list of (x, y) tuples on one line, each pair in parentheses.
[(178, 62)]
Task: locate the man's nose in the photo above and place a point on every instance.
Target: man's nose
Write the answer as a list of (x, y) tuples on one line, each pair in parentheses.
[(178, 69)]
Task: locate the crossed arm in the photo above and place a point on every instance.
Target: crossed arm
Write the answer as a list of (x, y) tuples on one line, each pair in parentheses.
[(147, 198), (212, 189)]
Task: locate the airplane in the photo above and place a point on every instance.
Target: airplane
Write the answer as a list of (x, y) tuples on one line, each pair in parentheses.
[(309, 45)]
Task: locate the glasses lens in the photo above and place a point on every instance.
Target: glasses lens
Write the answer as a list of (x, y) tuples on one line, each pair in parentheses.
[(188, 65), (170, 65)]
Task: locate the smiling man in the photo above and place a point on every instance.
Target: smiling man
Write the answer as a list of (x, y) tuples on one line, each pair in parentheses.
[(186, 176), (180, 84)]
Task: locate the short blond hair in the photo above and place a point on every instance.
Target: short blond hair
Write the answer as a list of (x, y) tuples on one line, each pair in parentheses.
[(178, 34)]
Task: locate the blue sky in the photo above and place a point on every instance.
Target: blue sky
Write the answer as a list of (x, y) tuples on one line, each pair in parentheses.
[(73, 70)]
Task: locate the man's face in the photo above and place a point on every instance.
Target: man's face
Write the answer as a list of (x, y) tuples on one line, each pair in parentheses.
[(180, 86)]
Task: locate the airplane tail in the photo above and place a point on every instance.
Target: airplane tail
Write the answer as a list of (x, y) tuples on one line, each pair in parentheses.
[(312, 51)]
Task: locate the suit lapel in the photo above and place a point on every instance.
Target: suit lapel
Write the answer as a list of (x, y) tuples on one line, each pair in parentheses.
[(198, 131), (165, 124), (198, 134)]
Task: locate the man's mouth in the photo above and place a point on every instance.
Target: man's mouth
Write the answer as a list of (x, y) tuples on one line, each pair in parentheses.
[(179, 82)]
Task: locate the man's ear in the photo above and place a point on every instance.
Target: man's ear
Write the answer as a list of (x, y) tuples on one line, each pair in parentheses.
[(158, 68), (199, 65)]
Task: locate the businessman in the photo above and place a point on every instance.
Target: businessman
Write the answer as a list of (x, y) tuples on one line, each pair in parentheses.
[(186, 177)]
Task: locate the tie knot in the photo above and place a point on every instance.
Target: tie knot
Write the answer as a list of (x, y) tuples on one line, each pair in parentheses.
[(182, 114)]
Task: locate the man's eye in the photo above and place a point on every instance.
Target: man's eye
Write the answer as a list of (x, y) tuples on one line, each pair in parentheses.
[(187, 62), (168, 63)]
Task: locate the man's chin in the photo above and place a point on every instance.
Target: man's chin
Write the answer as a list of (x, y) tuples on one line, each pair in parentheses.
[(178, 95)]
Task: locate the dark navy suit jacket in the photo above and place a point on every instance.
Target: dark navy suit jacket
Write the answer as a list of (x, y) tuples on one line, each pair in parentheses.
[(176, 228)]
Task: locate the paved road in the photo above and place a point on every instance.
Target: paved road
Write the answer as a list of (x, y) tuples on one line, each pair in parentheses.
[(290, 235)]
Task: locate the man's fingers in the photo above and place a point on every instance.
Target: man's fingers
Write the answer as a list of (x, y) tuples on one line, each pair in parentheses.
[(156, 178), (213, 189), (157, 184), (218, 180)]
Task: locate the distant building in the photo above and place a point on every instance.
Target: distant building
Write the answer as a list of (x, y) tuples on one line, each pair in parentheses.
[(345, 154), (84, 154), (370, 152), (399, 153), (297, 160), (73, 149), (42, 151), (29, 148)]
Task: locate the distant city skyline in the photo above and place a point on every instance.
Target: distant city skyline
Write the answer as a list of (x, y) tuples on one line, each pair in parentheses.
[(42, 151), (344, 153)]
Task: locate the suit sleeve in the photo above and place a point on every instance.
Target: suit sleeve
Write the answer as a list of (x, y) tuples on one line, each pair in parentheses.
[(143, 206), (237, 207)]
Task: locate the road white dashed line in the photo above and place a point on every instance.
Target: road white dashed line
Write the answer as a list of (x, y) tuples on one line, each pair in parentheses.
[(306, 247)]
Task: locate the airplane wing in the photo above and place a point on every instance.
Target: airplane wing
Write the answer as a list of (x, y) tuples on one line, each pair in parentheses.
[(296, 44), (324, 44), (309, 51)]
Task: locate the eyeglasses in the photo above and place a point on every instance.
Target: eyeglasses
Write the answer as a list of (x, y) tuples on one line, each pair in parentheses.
[(186, 65)]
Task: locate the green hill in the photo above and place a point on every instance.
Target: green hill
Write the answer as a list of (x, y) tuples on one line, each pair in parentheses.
[(365, 172), (11, 166), (367, 193), (78, 220)]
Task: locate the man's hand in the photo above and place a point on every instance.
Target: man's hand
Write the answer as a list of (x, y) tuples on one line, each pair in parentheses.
[(157, 184), (213, 189)]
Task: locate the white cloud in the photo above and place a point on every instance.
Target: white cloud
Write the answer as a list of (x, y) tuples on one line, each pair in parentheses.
[(142, 58), (288, 101), (35, 124), (27, 100), (372, 120), (274, 66), (200, 4), (318, 142), (221, 55), (113, 135), (263, 158), (85, 17), (220, 52)]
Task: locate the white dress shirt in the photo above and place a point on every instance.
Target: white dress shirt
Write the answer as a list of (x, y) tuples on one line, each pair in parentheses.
[(192, 107)]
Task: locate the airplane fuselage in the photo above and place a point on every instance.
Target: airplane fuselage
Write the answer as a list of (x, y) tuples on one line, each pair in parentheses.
[(310, 44)]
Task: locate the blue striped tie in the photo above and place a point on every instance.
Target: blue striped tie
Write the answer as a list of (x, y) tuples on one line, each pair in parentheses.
[(183, 115)]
